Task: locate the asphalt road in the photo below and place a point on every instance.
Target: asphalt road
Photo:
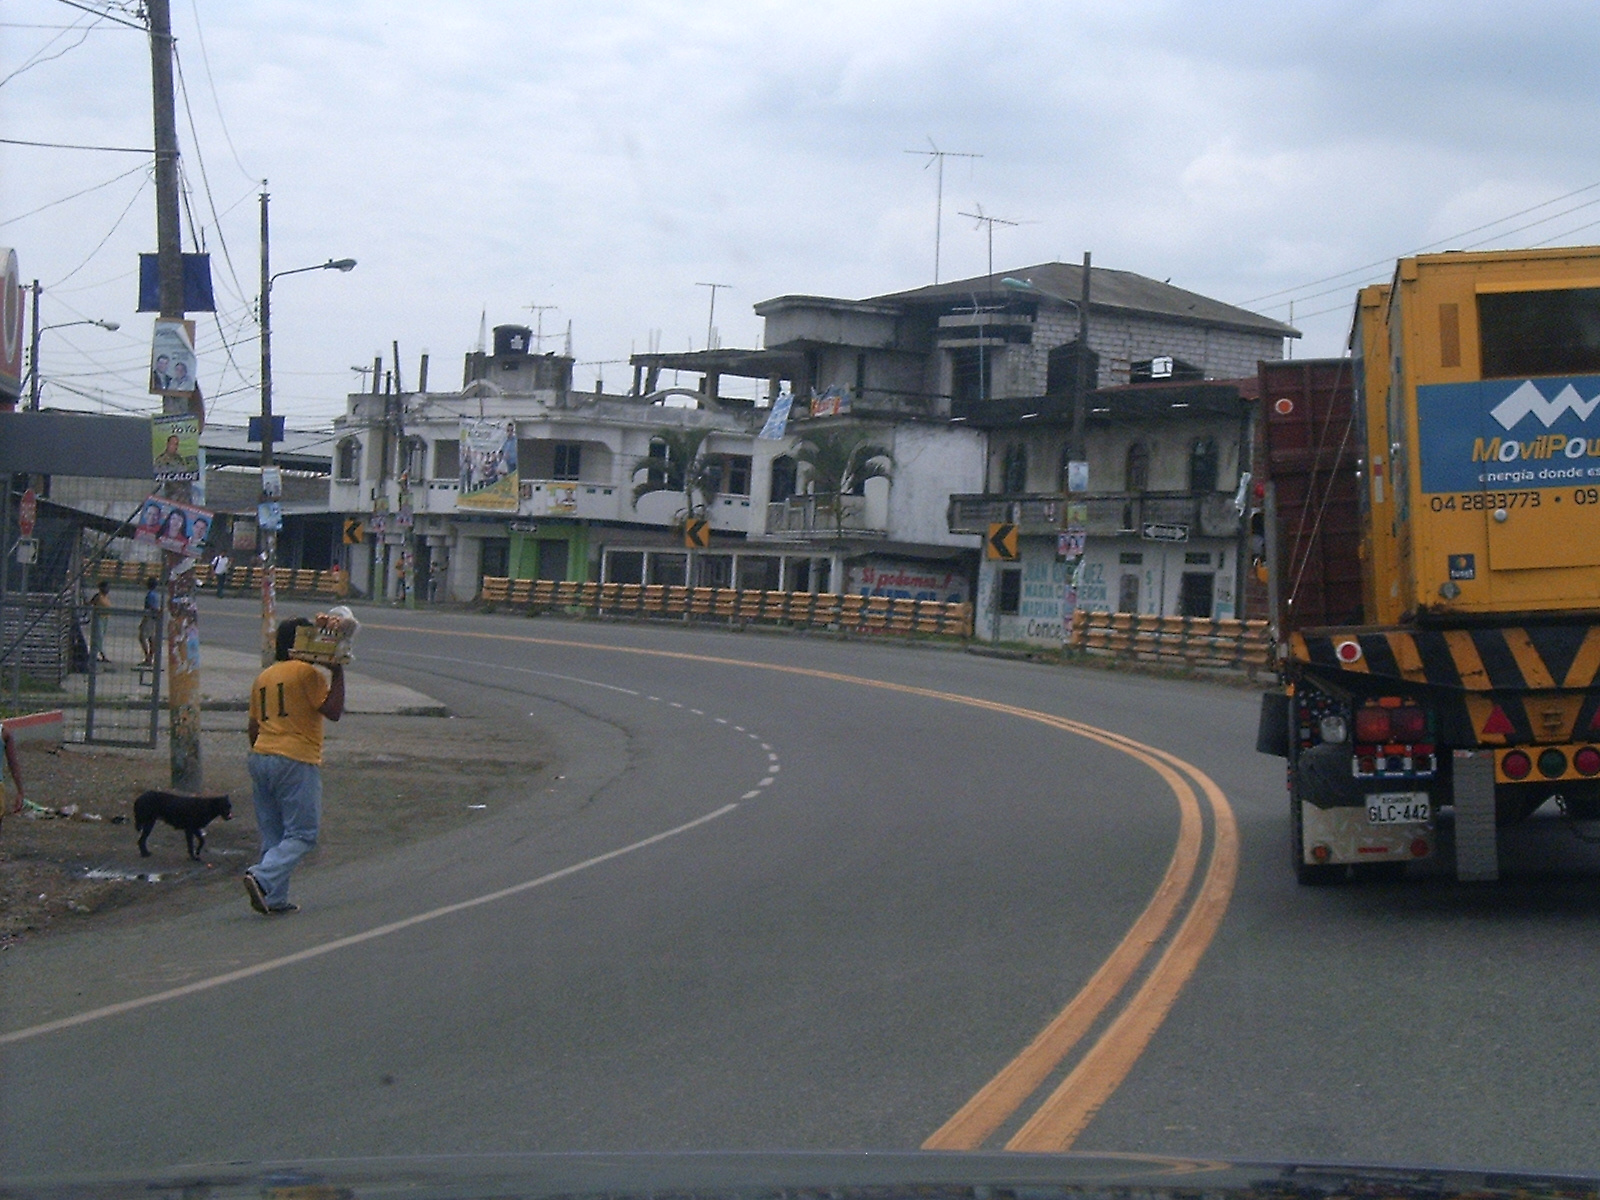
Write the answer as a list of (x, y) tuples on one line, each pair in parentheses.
[(804, 893)]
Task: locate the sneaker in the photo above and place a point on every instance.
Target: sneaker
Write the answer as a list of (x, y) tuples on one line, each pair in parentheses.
[(258, 898), (282, 910)]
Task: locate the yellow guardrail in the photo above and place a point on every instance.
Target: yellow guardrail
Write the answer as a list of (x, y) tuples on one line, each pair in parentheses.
[(1177, 641), (289, 581), (743, 606)]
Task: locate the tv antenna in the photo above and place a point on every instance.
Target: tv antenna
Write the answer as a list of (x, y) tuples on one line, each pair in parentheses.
[(936, 157), (538, 311), (711, 315), (984, 220)]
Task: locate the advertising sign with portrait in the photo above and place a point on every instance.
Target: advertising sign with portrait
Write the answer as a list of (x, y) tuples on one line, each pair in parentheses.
[(489, 479), (180, 528)]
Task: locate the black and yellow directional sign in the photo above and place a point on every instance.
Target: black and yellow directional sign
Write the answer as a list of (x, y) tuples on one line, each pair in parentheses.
[(697, 533), (354, 531), (1002, 541)]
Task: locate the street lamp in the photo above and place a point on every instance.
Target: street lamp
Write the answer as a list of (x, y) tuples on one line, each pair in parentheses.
[(33, 350), (269, 537)]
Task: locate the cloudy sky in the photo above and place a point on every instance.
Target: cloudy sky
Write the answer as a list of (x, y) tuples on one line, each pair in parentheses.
[(605, 158)]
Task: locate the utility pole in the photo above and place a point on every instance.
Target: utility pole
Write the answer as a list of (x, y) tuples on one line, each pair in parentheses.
[(712, 315), (1080, 399), (183, 622), (33, 351), (936, 158), (268, 537)]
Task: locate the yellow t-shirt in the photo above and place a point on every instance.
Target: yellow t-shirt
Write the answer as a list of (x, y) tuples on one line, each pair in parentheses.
[(284, 703)]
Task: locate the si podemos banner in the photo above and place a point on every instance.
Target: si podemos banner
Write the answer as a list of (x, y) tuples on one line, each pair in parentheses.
[(1509, 433)]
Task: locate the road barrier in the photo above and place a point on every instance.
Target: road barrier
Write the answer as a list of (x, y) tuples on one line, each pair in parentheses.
[(806, 610), (1176, 641), (289, 581)]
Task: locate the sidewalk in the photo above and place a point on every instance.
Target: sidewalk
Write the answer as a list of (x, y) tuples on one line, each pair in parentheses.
[(226, 676)]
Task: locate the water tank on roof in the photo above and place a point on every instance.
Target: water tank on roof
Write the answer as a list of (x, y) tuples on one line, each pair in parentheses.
[(512, 340)]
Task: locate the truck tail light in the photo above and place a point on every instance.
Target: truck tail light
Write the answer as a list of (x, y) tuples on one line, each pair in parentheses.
[(1516, 765), (1409, 724), (1587, 761), (1552, 763), (1373, 725)]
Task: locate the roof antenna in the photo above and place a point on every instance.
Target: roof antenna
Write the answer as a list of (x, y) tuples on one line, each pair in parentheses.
[(936, 157)]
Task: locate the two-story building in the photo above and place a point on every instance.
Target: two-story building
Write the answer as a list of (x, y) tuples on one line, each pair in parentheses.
[(549, 492), (1156, 529)]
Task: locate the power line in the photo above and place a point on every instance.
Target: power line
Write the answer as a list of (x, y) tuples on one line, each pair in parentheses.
[(105, 15), (72, 146), (1388, 263), (216, 101), (37, 61), (115, 225), (74, 196)]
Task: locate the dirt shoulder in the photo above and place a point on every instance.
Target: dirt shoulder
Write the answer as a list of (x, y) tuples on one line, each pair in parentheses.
[(386, 780)]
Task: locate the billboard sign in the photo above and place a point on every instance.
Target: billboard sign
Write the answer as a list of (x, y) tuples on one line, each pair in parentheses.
[(1509, 433), (11, 307), (175, 447), (180, 528), (489, 480)]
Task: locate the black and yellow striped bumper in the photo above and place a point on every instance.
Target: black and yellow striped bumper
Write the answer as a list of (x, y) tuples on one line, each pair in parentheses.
[(1540, 678)]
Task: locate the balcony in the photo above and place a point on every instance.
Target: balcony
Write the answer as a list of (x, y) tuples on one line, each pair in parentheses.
[(1108, 514), (814, 517)]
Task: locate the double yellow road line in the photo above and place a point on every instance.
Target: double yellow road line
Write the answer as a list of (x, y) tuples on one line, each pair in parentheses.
[(1068, 1109)]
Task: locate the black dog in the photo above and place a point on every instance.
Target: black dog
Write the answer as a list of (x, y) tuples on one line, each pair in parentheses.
[(189, 813)]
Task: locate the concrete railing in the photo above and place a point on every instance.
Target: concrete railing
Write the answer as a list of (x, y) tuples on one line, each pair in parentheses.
[(819, 610), (1178, 641)]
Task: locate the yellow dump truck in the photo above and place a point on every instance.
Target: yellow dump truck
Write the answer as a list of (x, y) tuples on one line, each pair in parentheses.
[(1432, 517)]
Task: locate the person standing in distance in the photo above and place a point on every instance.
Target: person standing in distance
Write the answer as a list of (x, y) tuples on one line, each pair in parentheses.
[(150, 621), (288, 704)]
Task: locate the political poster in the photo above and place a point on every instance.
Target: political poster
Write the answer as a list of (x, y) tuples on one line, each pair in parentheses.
[(172, 363), (180, 528), (175, 447), (489, 478)]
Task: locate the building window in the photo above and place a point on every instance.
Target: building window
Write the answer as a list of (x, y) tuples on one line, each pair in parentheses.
[(1014, 479), (969, 374), (1136, 475), (1203, 465), (348, 459), (668, 474), (785, 479), (568, 461), (446, 458), (1010, 591), (736, 475)]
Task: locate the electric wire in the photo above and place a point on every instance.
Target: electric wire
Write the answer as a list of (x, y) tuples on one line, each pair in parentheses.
[(216, 101), (39, 59), (105, 15), (75, 146), (100, 245), (74, 196)]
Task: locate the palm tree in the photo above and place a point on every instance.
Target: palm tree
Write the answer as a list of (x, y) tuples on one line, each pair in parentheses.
[(685, 467), (838, 462)]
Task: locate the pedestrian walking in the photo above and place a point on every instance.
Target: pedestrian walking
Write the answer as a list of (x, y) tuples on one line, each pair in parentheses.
[(219, 570), (288, 704), (150, 622), (99, 617)]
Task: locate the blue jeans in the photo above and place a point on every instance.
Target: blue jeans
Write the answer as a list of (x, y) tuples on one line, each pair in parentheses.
[(288, 800)]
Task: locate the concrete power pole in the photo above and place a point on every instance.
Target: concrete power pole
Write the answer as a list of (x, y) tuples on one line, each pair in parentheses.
[(183, 625)]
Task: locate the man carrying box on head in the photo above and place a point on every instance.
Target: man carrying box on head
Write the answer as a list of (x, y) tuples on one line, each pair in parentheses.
[(288, 704)]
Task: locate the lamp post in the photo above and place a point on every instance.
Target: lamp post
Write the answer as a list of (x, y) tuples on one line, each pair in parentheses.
[(33, 346), (269, 537)]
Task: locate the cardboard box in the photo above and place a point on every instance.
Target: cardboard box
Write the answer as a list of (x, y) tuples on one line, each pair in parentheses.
[(315, 646)]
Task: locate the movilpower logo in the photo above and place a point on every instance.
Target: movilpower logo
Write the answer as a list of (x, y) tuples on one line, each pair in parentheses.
[(1510, 433)]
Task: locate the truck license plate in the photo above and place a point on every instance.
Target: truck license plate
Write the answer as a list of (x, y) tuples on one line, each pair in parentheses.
[(1397, 808)]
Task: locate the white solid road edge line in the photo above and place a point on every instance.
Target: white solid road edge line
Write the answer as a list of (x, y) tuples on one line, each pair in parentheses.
[(354, 939)]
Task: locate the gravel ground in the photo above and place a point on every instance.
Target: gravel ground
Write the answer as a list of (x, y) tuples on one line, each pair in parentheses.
[(386, 780)]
